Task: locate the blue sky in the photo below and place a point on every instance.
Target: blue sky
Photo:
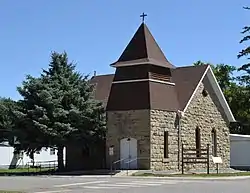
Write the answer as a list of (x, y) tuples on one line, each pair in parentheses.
[(94, 33)]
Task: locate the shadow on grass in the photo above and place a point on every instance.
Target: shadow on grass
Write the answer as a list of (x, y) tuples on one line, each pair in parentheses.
[(22, 173), (19, 172)]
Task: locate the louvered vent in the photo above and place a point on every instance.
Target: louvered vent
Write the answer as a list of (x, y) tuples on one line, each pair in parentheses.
[(161, 77)]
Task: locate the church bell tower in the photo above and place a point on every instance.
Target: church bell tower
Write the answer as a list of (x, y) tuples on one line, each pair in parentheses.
[(142, 80)]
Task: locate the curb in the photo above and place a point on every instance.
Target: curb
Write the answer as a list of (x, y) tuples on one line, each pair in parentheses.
[(194, 178), (151, 177), (79, 176)]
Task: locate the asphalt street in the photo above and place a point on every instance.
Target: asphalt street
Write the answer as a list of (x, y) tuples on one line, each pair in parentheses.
[(121, 185)]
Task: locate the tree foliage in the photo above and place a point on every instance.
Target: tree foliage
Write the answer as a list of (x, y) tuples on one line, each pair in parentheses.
[(7, 107), (59, 109), (235, 92), (246, 51), (223, 74), (243, 96)]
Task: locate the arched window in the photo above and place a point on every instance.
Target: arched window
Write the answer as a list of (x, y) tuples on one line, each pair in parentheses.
[(166, 144), (198, 141), (214, 142)]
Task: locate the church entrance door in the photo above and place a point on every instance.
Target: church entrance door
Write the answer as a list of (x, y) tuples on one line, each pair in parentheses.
[(128, 153)]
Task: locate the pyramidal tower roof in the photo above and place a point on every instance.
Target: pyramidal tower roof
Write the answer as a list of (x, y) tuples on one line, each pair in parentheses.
[(142, 49)]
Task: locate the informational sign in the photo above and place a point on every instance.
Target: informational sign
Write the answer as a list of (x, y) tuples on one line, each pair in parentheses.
[(111, 151), (217, 160)]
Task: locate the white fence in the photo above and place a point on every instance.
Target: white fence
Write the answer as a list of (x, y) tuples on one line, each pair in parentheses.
[(7, 156)]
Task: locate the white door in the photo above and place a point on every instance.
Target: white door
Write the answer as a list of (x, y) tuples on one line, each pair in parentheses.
[(128, 153)]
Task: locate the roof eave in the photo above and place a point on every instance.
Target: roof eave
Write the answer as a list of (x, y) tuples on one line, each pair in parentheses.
[(220, 95), (141, 62), (218, 92), (195, 90)]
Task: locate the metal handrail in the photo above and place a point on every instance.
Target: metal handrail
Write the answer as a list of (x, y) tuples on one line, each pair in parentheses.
[(128, 162), (120, 160), (114, 163), (131, 160), (136, 159)]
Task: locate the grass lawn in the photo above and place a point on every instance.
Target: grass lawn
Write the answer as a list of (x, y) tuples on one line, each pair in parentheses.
[(194, 175), (20, 170)]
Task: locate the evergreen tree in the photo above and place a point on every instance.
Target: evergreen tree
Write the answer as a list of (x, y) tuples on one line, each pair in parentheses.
[(7, 107), (246, 51), (59, 109), (244, 79)]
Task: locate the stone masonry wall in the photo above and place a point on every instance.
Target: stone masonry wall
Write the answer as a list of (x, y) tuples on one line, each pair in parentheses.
[(124, 124), (163, 121), (148, 126), (203, 113)]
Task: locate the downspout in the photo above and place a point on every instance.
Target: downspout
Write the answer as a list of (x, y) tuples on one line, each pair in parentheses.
[(180, 114)]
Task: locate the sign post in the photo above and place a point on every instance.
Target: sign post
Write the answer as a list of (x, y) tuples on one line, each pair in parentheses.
[(217, 161), (111, 153)]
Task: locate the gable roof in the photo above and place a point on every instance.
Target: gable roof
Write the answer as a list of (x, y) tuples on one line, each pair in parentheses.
[(186, 79), (208, 73), (102, 87), (142, 49), (156, 94), (175, 97), (222, 100)]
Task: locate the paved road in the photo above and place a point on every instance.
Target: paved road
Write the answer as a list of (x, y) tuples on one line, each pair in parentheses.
[(121, 185)]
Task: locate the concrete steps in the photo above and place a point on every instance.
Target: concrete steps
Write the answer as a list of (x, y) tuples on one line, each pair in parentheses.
[(125, 173)]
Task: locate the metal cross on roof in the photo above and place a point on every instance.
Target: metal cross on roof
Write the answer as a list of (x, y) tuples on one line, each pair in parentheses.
[(143, 15)]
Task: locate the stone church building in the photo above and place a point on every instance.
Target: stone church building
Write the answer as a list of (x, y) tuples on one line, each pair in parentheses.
[(153, 107)]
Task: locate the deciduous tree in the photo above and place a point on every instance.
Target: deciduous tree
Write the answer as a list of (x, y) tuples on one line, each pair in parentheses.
[(235, 92), (222, 72)]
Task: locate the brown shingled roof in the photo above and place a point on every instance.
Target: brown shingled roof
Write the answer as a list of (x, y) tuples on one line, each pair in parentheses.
[(102, 87), (186, 80), (143, 48), (161, 96), (140, 92)]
